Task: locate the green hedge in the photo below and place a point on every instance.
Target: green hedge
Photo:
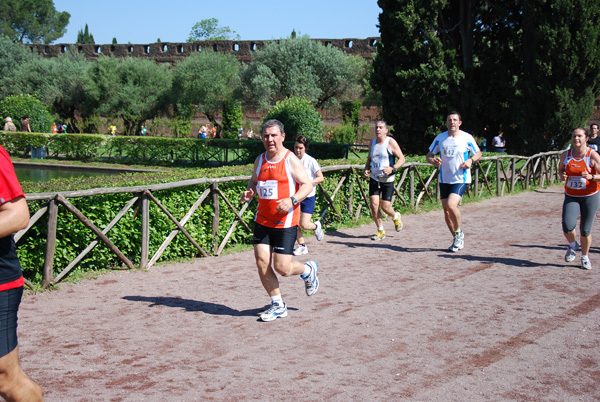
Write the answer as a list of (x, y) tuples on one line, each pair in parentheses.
[(151, 150)]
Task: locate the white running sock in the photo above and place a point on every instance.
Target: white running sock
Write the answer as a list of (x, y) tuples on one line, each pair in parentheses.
[(277, 300), (306, 272)]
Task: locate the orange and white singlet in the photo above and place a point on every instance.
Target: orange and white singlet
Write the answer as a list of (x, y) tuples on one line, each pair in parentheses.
[(275, 182), (577, 185)]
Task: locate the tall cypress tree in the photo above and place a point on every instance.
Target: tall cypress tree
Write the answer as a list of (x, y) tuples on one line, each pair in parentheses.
[(530, 68), (413, 70), (561, 69), (84, 36)]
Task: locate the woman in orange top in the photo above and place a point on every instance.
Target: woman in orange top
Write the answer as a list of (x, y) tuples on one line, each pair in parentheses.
[(578, 168)]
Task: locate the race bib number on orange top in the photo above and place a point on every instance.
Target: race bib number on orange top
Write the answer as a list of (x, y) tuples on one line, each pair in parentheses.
[(577, 182), (267, 190)]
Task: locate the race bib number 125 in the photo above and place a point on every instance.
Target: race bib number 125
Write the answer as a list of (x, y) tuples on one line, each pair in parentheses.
[(267, 190)]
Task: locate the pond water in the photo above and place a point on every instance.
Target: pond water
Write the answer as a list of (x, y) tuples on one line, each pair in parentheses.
[(45, 173)]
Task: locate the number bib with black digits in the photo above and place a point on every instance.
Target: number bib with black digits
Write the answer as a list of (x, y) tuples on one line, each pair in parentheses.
[(449, 151), (267, 190), (577, 182)]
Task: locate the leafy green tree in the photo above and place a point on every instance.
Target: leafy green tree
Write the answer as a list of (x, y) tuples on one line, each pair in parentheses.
[(301, 67), (12, 56), (413, 70), (35, 21), (209, 29), (203, 80), (232, 117), (17, 107), (298, 116), (351, 112), (133, 89), (84, 36), (57, 82)]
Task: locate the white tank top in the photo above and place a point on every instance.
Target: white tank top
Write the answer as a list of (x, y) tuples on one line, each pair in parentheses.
[(381, 158)]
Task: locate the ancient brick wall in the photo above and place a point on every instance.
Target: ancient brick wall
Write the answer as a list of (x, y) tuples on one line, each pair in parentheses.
[(170, 52)]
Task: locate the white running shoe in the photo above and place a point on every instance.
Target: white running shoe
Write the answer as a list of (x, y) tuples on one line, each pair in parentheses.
[(570, 255), (585, 262), (276, 311), (311, 282), (458, 243), (302, 249), (319, 231)]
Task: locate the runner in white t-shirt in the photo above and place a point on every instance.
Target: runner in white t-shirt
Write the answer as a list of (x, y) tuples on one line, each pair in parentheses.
[(307, 207), (454, 152)]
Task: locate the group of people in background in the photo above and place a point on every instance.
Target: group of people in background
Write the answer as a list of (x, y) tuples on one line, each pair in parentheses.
[(10, 126), (60, 128), (206, 131)]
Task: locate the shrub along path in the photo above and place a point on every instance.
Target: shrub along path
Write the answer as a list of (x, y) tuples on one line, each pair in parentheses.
[(401, 319)]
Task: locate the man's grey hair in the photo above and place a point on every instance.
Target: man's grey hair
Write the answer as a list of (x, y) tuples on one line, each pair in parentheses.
[(382, 121), (272, 123)]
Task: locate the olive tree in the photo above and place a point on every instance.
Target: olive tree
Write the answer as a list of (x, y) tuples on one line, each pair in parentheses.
[(132, 89), (303, 68), (204, 80)]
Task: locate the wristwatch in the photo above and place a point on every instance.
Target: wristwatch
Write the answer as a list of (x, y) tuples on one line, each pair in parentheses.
[(294, 201)]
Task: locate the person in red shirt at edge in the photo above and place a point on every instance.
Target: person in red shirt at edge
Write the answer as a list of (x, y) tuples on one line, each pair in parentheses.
[(15, 385), (281, 182)]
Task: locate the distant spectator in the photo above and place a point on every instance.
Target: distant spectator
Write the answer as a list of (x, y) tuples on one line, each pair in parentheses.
[(54, 128), (25, 127), (214, 131), (9, 125), (240, 132), (498, 142), (63, 128), (250, 134), (112, 129), (144, 130)]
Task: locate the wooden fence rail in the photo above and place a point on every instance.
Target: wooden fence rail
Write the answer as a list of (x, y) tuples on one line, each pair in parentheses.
[(493, 175)]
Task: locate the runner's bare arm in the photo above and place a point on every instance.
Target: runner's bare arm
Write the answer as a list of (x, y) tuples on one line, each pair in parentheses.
[(394, 148), (14, 216)]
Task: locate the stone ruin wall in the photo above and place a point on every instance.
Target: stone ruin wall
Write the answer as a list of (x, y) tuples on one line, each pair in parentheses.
[(170, 52)]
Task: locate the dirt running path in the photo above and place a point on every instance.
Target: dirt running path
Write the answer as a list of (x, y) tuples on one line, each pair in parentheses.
[(401, 319)]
